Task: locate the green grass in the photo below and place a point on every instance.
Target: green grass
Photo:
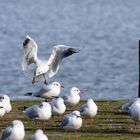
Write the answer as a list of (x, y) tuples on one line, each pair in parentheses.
[(110, 123)]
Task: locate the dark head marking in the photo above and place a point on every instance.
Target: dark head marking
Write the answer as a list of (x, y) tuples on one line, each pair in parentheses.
[(26, 41)]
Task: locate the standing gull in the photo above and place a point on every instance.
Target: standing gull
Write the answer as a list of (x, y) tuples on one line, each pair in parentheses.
[(89, 110), (73, 98), (48, 91), (14, 132), (72, 121), (39, 135), (43, 68)]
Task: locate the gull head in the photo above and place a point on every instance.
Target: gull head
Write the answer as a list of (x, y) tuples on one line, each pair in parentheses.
[(17, 123), (90, 101), (39, 131), (74, 90), (76, 113), (57, 85)]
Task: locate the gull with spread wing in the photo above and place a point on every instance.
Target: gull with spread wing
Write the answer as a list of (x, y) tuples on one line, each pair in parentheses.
[(48, 68)]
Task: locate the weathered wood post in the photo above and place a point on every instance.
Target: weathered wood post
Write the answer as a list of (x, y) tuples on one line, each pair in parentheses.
[(139, 70)]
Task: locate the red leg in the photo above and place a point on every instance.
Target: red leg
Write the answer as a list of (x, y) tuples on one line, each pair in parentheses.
[(46, 82), (33, 81), (76, 135), (68, 134)]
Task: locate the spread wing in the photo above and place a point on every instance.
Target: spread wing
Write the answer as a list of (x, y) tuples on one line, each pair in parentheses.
[(29, 52), (59, 52)]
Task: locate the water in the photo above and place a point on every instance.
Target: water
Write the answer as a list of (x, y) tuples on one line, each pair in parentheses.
[(107, 32)]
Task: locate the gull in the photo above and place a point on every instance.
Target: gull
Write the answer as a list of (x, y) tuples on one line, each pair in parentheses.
[(134, 112), (72, 121), (128, 105), (14, 132), (5, 102), (89, 110), (58, 106), (73, 98), (39, 112), (2, 111), (48, 91), (39, 135), (44, 69)]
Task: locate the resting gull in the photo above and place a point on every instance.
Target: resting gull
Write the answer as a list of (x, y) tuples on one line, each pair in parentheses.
[(58, 106), (47, 91), (39, 135), (72, 98), (39, 112), (14, 132)]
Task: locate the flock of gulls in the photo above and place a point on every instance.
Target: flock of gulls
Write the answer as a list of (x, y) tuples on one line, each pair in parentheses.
[(53, 103)]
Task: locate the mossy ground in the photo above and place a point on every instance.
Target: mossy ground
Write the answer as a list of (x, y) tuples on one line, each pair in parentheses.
[(110, 123)]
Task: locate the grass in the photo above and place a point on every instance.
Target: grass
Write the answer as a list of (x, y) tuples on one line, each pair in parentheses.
[(110, 123)]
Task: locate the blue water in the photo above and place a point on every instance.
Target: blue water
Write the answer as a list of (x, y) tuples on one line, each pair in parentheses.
[(106, 31)]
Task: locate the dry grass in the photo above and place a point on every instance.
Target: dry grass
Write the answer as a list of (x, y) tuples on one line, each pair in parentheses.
[(110, 123)]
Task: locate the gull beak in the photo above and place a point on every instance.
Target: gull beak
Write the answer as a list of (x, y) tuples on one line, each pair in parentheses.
[(81, 92), (62, 86)]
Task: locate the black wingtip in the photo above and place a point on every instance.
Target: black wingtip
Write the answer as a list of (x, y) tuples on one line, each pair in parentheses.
[(70, 51), (28, 94), (26, 41), (22, 108)]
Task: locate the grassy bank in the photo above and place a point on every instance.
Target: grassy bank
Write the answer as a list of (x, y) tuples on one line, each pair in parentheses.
[(110, 123)]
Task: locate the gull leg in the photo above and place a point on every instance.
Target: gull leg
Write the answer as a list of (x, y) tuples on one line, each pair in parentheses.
[(33, 81), (68, 134), (76, 135), (45, 82)]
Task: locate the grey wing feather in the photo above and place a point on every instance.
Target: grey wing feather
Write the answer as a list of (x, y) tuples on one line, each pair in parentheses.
[(127, 105), (59, 52), (30, 52), (41, 92), (83, 108), (6, 133), (64, 97), (32, 112), (64, 122)]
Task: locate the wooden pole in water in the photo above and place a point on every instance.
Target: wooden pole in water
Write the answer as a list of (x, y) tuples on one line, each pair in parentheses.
[(139, 71)]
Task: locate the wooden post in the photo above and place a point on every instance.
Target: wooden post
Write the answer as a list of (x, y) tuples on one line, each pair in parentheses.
[(139, 70)]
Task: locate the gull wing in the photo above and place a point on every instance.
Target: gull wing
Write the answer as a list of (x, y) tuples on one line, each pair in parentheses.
[(29, 52), (6, 133), (59, 52)]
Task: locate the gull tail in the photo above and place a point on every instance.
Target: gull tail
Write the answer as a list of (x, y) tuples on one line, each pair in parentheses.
[(22, 108), (28, 94)]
